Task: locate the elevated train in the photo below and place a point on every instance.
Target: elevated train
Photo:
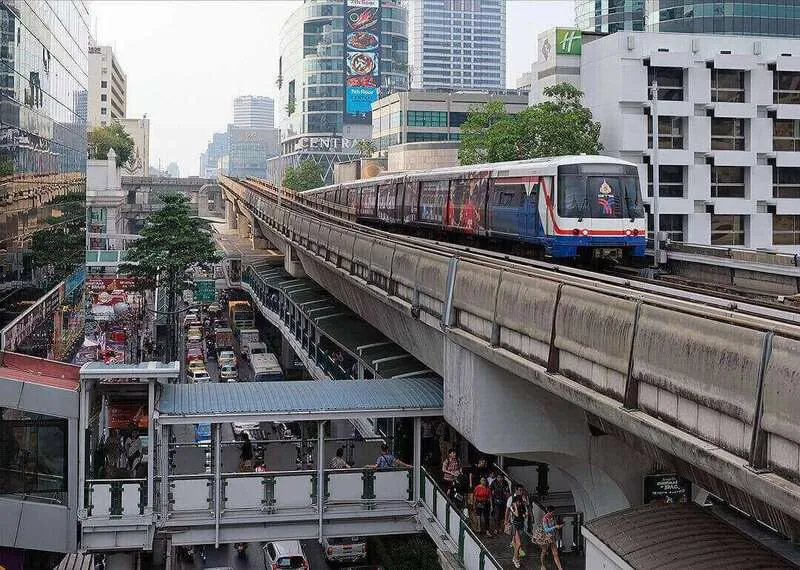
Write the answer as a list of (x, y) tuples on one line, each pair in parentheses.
[(563, 207)]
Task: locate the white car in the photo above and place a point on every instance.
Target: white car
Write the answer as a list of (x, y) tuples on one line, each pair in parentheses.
[(226, 357), (350, 549), (250, 428), (228, 373), (199, 376), (285, 555)]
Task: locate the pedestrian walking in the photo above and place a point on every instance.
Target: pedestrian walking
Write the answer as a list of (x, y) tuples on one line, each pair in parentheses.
[(482, 499), (451, 468), (544, 536), (338, 462), (500, 494), (246, 457), (519, 511), (386, 460)]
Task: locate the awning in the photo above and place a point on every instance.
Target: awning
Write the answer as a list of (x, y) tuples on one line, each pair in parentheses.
[(299, 400)]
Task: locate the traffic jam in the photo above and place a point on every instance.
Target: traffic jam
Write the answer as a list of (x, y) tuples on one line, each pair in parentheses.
[(223, 345)]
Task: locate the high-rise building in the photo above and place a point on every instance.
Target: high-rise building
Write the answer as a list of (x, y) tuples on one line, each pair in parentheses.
[(336, 58), (107, 87), (139, 162), (254, 112), (458, 44), (43, 84), (743, 17), (218, 147), (249, 151)]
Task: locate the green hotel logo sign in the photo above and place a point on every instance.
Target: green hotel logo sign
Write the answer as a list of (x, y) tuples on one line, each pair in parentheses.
[(568, 42)]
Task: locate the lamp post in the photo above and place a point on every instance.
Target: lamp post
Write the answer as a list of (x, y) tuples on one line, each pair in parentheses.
[(654, 162)]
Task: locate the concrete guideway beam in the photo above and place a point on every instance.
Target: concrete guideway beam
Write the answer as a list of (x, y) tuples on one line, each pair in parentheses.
[(603, 349)]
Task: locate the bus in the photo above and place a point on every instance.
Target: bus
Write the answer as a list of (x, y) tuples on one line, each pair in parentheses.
[(240, 315), (266, 368)]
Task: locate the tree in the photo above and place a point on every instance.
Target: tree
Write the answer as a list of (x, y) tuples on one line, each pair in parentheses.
[(365, 147), (172, 242), (305, 176), (113, 136), (558, 126), (60, 248)]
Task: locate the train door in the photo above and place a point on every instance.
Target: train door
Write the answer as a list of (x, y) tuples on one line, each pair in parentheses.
[(529, 210), (397, 213)]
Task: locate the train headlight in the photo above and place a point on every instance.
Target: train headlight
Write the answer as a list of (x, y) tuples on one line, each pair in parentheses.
[(576, 231), (585, 232), (628, 233), (636, 231)]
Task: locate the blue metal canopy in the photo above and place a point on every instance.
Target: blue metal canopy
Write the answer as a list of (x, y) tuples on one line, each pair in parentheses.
[(299, 400)]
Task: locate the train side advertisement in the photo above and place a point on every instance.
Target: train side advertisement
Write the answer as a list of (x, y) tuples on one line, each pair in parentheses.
[(362, 34)]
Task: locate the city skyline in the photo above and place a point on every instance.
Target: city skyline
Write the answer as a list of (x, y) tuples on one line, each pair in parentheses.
[(194, 103)]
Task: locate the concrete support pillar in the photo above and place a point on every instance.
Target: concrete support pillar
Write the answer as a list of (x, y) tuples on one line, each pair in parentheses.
[(243, 225), (604, 474), (417, 457), (230, 215), (292, 264)]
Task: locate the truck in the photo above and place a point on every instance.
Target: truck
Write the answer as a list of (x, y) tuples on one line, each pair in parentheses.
[(266, 368), (240, 315), (252, 348), (247, 336), (224, 339)]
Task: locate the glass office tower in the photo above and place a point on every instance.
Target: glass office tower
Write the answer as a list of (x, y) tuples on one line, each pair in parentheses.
[(740, 17)]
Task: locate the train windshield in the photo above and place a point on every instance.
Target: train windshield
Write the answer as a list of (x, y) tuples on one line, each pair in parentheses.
[(599, 191)]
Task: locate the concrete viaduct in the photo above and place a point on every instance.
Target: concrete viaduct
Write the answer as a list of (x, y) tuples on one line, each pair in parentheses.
[(602, 383)]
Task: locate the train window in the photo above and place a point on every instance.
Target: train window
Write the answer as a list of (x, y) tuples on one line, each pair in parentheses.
[(386, 201), (368, 201), (432, 200), (599, 191), (353, 197), (509, 195)]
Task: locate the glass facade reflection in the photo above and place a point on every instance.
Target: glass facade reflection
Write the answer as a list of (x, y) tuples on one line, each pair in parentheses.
[(777, 18), (43, 82)]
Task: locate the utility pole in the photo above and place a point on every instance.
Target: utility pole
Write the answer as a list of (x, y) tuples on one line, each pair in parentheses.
[(654, 163)]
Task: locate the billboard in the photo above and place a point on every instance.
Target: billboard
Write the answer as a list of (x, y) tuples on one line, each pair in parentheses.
[(362, 39)]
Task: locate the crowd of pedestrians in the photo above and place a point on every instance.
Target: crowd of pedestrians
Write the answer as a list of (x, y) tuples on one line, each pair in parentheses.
[(487, 498)]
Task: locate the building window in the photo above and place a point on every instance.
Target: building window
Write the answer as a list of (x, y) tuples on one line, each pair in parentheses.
[(396, 120), (727, 229), (670, 180), (785, 182), (785, 230), (727, 134), (727, 86), (425, 137), (34, 453), (670, 82), (104, 84), (727, 181), (457, 118), (103, 111), (427, 118), (670, 223), (104, 97), (786, 134), (786, 87), (670, 132)]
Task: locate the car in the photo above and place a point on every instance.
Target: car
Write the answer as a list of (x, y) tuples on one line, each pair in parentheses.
[(193, 355), (202, 433), (199, 376), (348, 549), (195, 333), (226, 357), (284, 555), (228, 372), (214, 308), (251, 428), (196, 365), (191, 320)]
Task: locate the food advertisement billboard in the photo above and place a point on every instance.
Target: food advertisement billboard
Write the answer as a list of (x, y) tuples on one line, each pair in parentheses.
[(362, 35)]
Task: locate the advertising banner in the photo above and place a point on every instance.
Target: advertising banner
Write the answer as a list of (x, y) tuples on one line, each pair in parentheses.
[(362, 35)]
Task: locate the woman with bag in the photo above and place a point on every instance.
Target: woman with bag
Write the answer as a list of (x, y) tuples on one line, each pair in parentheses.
[(481, 496), (545, 536)]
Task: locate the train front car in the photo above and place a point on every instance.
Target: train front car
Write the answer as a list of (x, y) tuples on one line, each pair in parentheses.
[(595, 210)]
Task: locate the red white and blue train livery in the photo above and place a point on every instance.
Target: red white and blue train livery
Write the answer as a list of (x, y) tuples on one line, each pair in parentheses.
[(566, 206)]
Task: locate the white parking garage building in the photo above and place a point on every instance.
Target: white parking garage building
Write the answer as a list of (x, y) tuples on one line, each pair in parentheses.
[(729, 126)]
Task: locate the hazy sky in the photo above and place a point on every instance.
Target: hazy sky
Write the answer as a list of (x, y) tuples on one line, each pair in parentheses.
[(187, 60)]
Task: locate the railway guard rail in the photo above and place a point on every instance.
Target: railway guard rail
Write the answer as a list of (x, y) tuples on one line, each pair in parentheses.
[(709, 391)]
